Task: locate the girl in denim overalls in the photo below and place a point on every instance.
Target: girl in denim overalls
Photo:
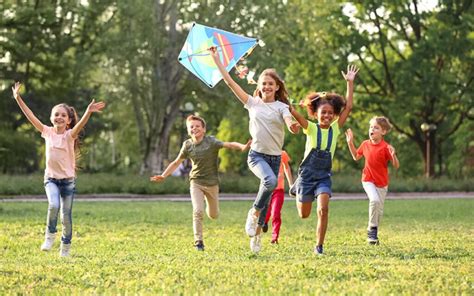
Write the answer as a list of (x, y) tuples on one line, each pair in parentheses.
[(314, 174), (62, 143), (269, 112)]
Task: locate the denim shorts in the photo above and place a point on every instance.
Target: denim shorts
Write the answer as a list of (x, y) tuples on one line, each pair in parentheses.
[(308, 191)]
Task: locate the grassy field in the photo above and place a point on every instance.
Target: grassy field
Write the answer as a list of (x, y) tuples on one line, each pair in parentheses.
[(146, 248)]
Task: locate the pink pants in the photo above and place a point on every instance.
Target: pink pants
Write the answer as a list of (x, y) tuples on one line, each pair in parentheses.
[(274, 211)]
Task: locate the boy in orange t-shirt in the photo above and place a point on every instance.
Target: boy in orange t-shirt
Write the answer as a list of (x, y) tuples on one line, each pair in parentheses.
[(377, 154)]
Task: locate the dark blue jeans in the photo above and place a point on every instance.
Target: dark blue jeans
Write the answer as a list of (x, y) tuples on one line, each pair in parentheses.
[(266, 168), (60, 193)]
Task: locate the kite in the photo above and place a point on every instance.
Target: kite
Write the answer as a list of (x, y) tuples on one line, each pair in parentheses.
[(195, 57)]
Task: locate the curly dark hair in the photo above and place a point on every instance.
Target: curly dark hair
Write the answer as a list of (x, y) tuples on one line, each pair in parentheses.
[(316, 99)]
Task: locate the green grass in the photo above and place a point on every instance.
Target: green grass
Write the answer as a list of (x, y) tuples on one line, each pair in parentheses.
[(146, 248)]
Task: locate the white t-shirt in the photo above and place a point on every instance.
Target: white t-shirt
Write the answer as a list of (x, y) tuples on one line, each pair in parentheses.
[(267, 125)]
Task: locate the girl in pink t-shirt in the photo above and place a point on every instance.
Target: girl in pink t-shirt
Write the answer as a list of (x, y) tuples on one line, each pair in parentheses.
[(62, 143), (377, 154)]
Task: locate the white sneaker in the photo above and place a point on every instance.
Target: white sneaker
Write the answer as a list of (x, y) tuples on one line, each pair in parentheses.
[(256, 243), (48, 241), (65, 249), (251, 223)]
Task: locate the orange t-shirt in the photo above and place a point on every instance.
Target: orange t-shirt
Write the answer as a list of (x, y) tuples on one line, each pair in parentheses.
[(281, 174), (376, 162)]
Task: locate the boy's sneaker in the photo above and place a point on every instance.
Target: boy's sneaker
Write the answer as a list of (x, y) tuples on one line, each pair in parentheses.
[(256, 243), (318, 250), (199, 245), (372, 236), (65, 250), (251, 223), (48, 241), (265, 227)]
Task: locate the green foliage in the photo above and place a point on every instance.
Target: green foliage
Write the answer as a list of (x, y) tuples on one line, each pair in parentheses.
[(146, 248)]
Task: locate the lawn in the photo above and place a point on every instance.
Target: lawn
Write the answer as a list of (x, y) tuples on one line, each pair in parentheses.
[(146, 248)]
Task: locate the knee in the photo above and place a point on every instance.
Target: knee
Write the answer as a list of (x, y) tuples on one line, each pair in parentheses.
[(197, 215), (303, 214), (375, 203), (213, 215), (323, 211), (270, 182)]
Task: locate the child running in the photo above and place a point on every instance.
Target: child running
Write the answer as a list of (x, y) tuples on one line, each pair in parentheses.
[(269, 112), (314, 175), (278, 197), (377, 154), (62, 148), (204, 179)]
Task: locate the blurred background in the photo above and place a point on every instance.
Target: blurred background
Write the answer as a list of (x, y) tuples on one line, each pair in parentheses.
[(416, 64)]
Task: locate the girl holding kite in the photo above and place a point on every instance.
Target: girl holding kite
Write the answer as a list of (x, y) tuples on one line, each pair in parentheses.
[(314, 175), (62, 147), (269, 112)]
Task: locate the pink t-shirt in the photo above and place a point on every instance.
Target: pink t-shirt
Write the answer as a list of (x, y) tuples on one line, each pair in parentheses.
[(60, 156)]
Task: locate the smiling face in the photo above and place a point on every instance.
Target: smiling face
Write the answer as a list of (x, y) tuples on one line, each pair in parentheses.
[(267, 87), (325, 115), (376, 132), (196, 129), (60, 117)]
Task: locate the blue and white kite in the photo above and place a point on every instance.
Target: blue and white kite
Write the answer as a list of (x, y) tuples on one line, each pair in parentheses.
[(195, 56)]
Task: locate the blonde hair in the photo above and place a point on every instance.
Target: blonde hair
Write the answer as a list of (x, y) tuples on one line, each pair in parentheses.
[(198, 118), (383, 122)]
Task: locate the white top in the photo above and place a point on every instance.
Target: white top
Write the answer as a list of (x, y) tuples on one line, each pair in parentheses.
[(60, 155), (267, 125)]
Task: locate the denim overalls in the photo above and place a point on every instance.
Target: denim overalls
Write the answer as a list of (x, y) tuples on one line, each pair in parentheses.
[(314, 174)]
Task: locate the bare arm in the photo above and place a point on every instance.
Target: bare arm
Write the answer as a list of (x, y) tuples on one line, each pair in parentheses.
[(349, 77), (288, 174), (238, 91), (93, 107), (299, 118), (237, 145), (24, 108), (168, 171), (350, 143), (395, 162)]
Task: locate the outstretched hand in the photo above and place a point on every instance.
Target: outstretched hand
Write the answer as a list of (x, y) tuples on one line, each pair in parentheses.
[(16, 89), (95, 107), (351, 73), (157, 178), (295, 127), (247, 145), (214, 54), (349, 135)]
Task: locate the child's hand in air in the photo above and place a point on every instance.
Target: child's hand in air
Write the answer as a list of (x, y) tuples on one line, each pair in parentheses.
[(352, 71), (349, 135)]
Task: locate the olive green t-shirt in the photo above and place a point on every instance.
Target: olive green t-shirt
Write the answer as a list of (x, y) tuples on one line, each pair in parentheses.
[(204, 160)]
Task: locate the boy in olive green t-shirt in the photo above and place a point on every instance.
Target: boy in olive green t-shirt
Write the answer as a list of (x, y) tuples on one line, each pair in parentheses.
[(204, 179)]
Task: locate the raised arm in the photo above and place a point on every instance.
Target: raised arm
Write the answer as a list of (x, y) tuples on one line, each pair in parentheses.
[(238, 91), (93, 107), (350, 143), (238, 146), (288, 174), (349, 77), (168, 171), (395, 162), (24, 108)]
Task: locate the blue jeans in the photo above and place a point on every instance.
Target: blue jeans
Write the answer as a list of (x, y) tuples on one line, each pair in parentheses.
[(60, 193), (266, 168)]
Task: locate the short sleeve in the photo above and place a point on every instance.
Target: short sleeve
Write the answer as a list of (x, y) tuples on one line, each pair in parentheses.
[(217, 143), (252, 101), (46, 131), (183, 153), (310, 129)]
